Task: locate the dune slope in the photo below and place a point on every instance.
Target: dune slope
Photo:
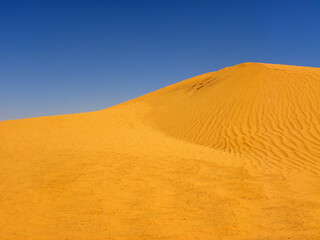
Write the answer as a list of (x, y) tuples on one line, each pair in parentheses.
[(232, 154)]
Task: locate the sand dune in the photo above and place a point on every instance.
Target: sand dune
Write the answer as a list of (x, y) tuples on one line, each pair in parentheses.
[(232, 154)]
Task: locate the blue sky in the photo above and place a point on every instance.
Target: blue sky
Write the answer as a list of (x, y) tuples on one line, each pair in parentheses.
[(59, 57)]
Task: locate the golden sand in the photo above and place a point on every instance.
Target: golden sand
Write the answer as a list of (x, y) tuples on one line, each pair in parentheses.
[(232, 154)]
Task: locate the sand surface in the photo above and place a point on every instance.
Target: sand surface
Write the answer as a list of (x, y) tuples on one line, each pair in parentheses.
[(232, 154)]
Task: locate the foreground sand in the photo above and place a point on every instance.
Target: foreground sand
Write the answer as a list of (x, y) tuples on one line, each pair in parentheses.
[(233, 154)]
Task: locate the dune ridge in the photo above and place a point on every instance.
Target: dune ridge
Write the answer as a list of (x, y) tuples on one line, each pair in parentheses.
[(232, 154), (252, 109)]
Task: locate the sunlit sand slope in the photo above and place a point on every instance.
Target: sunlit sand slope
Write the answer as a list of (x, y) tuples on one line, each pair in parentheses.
[(233, 154), (268, 113)]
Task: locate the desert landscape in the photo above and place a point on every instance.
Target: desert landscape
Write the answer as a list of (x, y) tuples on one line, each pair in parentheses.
[(231, 154)]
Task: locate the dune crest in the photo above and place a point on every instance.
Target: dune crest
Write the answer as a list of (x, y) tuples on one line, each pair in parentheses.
[(232, 154), (252, 109)]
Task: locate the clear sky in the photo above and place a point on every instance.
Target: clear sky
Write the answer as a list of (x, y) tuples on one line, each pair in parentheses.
[(59, 57)]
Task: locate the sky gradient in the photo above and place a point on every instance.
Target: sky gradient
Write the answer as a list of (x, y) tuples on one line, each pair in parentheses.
[(60, 57)]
